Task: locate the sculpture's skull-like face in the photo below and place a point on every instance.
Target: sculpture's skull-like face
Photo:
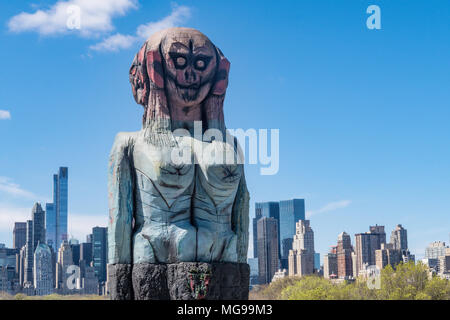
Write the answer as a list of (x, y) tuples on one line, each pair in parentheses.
[(190, 64)]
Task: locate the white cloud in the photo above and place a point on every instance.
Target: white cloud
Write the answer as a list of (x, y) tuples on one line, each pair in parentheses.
[(5, 115), (9, 215), (11, 188), (176, 17), (119, 41), (95, 17), (329, 207), (114, 43), (80, 225)]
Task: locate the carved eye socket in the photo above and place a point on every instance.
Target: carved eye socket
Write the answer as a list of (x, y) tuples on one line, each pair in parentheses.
[(200, 64), (180, 62)]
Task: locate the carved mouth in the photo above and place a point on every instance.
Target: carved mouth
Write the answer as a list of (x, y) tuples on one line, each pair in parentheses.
[(195, 86), (188, 94)]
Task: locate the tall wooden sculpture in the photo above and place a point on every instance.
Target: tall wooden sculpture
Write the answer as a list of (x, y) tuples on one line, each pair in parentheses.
[(178, 202)]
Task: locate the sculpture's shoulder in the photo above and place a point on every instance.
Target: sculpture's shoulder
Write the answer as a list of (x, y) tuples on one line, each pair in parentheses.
[(124, 142)]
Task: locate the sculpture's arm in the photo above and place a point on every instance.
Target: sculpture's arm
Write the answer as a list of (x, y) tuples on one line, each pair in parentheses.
[(240, 219), (120, 195)]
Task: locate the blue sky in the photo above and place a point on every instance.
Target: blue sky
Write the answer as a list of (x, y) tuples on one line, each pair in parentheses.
[(363, 114)]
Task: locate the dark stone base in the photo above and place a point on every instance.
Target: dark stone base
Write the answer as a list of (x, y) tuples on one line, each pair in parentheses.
[(150, 282), (179, 281), (119, 282)]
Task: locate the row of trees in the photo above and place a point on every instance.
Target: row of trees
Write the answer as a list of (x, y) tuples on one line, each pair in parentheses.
[(407, 282), (21, 296)]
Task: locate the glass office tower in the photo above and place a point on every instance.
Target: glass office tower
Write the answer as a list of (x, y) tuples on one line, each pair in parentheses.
[(56, 216), (290, 212), (38, 218), (100, 252), (268, 210), (62, 205), (50, 225)]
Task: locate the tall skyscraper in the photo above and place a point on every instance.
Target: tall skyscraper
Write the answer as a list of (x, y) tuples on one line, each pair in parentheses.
[(364, 251), (85, 254), (301, 257), (35, 234), (268, 210), (100, 251), (21, 263), (50, 226), (57, 211), (330, 264), (43, 270), (387, 254), (258, 215), (366, 244), (291, 211), (29, 257), (76, 248), (344, 256), (65, 260), (19, 235), (380, 234), (38, 218), (399, 238), (267, 235), (304, 236)]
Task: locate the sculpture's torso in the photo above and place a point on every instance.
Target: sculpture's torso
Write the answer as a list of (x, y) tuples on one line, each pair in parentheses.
[(178, 206)]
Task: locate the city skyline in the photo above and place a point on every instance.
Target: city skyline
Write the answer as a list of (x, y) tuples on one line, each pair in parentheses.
[(44, 261), (53, 220), (343, 262), (363, 138), (267, 209)]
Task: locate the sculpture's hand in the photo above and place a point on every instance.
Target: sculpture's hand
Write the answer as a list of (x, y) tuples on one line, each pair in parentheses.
[(213, 104)]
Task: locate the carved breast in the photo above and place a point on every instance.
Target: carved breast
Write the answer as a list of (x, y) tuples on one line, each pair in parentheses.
[(159, 178), (218, 174)]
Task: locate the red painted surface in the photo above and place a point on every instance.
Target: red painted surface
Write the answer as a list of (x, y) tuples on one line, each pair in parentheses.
[(222, 82), (154, 68), (139, 78)]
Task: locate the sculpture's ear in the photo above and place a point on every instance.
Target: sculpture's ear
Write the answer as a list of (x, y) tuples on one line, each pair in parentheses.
[(147, 83), (221, 79), (146, 73), (155, 68), (138, 77)]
